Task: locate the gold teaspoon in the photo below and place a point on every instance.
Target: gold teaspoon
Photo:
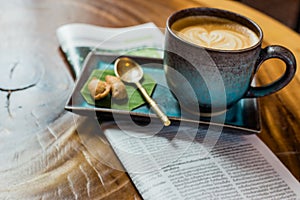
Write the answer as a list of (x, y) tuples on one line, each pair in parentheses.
[(131, 72)]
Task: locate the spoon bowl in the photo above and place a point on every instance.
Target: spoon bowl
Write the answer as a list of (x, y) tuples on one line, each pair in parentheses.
[(128, 70)]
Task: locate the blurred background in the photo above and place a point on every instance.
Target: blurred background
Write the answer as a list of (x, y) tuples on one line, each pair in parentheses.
[(285, 11)]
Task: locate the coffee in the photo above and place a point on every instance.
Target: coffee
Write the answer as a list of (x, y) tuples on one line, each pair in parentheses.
[(213, 79), (214, 33)]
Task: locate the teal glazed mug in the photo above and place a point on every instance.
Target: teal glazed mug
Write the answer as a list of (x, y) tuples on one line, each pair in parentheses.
[(211, 57)]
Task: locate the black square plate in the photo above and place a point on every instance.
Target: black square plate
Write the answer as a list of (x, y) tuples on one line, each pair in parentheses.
[(243, 117)]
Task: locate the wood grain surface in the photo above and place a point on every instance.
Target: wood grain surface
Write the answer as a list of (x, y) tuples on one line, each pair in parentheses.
[(48, 153)]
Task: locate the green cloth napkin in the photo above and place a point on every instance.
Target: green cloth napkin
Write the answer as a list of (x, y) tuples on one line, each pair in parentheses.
[(135, 98)]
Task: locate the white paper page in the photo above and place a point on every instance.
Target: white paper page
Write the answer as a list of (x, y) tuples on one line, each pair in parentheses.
[(166, 167), (76, 40), (86, 35)]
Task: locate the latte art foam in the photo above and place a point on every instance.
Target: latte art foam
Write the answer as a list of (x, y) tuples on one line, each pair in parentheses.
[(218, 39), (215, 33)]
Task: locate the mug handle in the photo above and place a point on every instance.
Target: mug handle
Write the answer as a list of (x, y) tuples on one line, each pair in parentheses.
[(274, 51)]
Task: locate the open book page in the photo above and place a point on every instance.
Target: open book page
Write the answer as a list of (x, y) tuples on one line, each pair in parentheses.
[(77, 40), (174, 164)]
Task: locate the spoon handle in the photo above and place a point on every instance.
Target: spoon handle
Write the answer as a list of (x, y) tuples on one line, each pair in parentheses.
[(162, 116)]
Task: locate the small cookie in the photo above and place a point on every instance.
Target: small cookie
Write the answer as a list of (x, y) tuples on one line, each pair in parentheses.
[(117, 86), (98, 89)]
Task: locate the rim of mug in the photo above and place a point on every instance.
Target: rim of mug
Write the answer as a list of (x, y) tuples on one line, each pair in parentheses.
[(258, 31)]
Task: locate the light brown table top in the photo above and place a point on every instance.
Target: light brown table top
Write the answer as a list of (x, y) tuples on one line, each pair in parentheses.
[(42, 153)]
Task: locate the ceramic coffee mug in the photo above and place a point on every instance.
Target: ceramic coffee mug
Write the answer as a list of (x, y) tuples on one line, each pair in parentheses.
[(212, 55)]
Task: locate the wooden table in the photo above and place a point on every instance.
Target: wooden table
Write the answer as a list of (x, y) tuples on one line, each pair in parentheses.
[(42, 153)]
